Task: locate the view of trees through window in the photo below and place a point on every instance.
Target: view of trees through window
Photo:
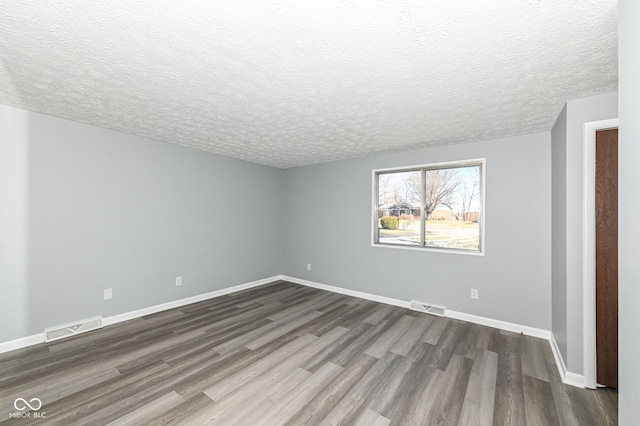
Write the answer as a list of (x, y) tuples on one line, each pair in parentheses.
[(437, 207)]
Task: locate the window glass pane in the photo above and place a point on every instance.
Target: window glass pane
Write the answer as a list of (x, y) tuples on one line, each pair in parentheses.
[(399, 208), (452, 208)]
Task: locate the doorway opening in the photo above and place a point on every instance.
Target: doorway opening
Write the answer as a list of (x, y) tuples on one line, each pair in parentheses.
[(589, 249)]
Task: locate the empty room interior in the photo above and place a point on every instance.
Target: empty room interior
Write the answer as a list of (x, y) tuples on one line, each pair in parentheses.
[(288, 213)]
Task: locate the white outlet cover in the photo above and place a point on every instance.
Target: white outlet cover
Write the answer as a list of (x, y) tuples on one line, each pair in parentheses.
[(308, 266), (178, 280), (108, 293), (474, 293)]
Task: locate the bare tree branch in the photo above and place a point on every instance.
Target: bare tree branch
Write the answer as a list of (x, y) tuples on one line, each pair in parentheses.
[(385, 188), (468, 193), (440, 190)]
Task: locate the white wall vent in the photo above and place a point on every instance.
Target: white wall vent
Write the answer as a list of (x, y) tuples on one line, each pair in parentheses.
[(428, 308), (72, 329)]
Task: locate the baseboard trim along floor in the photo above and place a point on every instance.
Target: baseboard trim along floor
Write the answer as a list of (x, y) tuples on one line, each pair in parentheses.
[(34, 339), (569, 378), (289, 354)]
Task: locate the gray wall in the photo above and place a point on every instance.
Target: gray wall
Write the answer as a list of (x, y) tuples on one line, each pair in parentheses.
[(579, 112), (14, 303), (111, 210), (559, 232), (327, 216), (567, 151), (629, 246)]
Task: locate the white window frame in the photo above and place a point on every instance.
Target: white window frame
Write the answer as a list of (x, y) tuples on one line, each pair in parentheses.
[(432, 166)]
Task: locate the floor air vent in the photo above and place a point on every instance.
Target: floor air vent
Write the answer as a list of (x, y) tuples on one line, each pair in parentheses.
[(428, 308), (72, 329)]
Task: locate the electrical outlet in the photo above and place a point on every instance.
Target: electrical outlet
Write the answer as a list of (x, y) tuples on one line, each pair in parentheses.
[(108, 293), (308, 266), (178, 280), (474, 293)]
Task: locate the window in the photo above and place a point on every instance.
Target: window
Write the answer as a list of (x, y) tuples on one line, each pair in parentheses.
[(437, 206)]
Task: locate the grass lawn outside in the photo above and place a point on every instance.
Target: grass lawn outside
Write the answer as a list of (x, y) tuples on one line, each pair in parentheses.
[(454, 234)]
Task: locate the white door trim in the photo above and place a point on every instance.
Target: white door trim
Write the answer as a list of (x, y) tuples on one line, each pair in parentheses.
[(589, 248)]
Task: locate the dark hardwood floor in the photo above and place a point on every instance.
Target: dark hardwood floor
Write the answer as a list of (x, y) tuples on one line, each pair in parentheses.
[(285, 354)]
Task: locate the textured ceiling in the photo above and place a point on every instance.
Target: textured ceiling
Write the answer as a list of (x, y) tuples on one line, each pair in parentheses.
[(289, 83)]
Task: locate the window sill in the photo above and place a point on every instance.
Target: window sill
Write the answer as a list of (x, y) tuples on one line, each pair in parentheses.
[(429, 249)]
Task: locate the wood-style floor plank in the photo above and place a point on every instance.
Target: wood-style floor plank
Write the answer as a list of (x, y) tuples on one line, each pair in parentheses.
[(299, 396), (136, 417), (325, 401), (419, 389), (509, 402), (370, 418), (453, 386), (224, 387), (534, 363), (479, 399), (410, 338), (539, 406), (286, 354), (386, 340)]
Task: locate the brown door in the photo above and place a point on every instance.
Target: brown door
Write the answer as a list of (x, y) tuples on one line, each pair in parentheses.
[(607, 257)]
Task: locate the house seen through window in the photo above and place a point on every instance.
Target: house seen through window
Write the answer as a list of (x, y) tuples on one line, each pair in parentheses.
[(435, 206)]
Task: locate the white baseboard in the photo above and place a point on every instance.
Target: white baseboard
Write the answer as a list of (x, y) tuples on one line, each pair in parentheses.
[(574, 379), (354, 293), (502, 325), (182, 302), (23, 342), (567, 377)]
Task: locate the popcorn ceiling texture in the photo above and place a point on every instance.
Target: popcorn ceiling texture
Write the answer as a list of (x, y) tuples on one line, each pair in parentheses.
[(290, 83)]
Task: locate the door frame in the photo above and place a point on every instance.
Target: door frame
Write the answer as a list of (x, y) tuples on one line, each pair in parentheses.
[(589, 248)]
